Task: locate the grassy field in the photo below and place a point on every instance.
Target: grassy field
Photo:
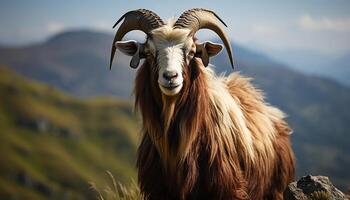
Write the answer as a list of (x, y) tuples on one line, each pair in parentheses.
[(53, 145)]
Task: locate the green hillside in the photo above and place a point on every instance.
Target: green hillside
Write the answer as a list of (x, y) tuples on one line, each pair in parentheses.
[(53, 145)]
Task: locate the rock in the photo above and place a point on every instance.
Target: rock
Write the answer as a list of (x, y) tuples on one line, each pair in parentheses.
[(42, 125), (313, 188), (24, 179), (294, 193)]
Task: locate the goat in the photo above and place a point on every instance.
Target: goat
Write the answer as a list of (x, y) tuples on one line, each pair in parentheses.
[(204, 136)]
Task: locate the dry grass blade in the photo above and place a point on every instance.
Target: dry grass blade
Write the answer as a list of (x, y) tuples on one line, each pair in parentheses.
[(94, 187), (118, 191)]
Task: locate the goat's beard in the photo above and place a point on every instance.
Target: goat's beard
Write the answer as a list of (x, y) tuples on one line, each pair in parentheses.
[(171, 112), (170, 102), (167, 116), (168, 109)]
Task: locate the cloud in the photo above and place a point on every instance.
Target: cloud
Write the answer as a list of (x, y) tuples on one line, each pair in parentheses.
[(306, 22), (54, 27), (264, 29), (103, 26)]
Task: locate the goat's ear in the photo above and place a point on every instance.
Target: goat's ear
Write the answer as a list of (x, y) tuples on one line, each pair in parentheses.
[(206, 50), (131, 48), (212, 48), (127, 47)]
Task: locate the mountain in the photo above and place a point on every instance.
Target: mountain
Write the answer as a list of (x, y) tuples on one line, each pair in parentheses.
[(52, 145), (316, 63), (76, 62), (318, 108), (339, 69)]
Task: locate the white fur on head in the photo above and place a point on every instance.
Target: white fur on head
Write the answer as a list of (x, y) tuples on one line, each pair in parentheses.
[(171, 47), (170, 60)]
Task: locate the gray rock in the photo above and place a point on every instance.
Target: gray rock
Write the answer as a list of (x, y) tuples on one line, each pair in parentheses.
[(313, 188)]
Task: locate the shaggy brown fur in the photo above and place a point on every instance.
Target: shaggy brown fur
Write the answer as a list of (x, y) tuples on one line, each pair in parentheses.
[(217, 139)]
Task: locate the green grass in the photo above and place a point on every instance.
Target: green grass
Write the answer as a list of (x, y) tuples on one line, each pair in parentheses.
[(52, 145), (116, 190)]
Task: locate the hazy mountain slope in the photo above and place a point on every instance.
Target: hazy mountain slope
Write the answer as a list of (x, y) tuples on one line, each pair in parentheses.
[(338, 69), (76, 62), (52, 145), (312, 62), (318, 108)]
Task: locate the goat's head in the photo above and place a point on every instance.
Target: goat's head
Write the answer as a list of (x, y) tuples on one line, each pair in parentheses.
[(169, 47)]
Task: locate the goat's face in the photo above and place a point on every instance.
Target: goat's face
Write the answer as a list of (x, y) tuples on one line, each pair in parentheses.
[(170, 51), (171, 55)]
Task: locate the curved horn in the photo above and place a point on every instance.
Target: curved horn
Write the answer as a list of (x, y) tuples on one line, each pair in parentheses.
[(199, 18), (140, 19)]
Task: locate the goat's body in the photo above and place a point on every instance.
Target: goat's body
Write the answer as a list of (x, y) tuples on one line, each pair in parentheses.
[(204, 137), (224, 143)]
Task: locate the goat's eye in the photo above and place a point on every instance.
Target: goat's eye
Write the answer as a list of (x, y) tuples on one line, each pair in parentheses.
[(148, 54), (191, 53)]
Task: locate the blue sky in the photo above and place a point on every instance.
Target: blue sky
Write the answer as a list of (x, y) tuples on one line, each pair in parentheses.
[(318, 25)]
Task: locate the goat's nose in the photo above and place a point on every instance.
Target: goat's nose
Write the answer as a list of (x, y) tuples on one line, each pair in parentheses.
[(169, 75)]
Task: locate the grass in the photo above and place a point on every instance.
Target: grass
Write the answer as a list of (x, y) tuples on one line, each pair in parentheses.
[(81, 138), (116, 190)]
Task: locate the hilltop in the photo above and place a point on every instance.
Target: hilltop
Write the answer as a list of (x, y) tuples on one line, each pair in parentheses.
[(53, 145)]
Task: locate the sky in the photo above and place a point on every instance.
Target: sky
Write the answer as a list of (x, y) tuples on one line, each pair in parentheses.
[(317, 25)]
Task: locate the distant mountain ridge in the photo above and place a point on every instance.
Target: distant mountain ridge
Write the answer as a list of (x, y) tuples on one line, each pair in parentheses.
[(74, 61), (336, 67), (318, 108), (339, 69)]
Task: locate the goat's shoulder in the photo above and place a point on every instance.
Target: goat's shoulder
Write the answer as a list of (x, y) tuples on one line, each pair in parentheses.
[(241, 87)]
